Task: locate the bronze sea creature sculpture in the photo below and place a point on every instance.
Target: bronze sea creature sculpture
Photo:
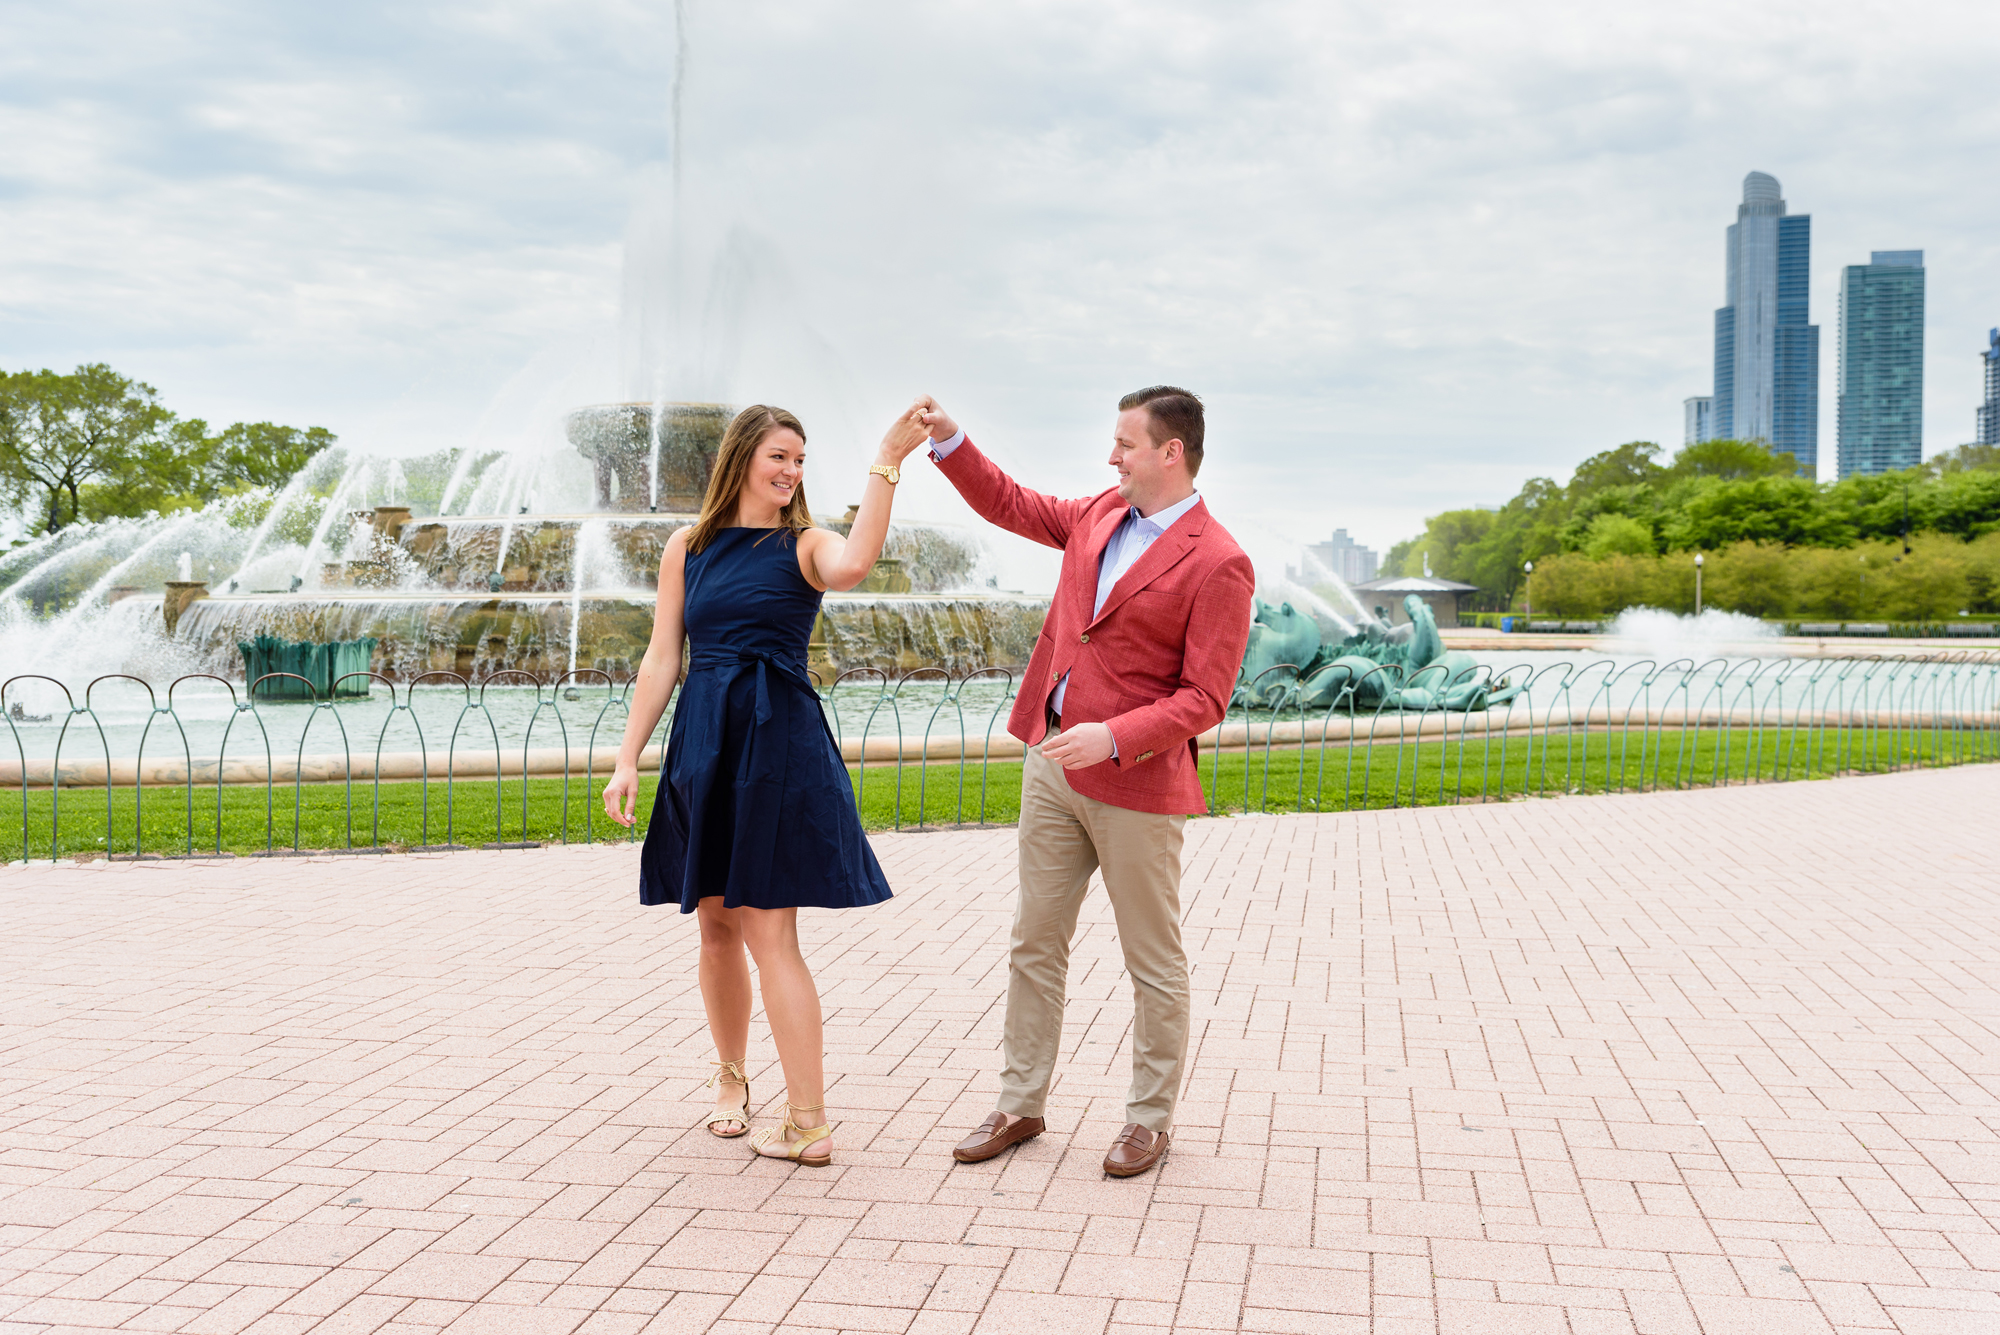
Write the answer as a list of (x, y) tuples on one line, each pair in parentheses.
[(1405, 667)]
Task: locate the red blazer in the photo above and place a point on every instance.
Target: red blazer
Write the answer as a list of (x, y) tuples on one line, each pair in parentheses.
[(1157, 664)]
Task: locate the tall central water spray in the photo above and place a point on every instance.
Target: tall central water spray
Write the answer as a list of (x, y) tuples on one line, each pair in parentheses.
[(653, 347), (498, 550)]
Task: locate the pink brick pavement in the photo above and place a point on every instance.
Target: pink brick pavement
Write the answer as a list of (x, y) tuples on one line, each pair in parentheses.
[(1718, 1062)]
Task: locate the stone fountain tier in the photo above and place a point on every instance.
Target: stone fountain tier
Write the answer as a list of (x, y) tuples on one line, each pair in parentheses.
[(650, 457), (557, 553), (530, 553), (477, 635), (960, 632), (546, 593)]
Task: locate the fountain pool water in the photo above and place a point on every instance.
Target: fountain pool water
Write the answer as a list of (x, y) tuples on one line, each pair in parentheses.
[(513, 715), (435, 717)]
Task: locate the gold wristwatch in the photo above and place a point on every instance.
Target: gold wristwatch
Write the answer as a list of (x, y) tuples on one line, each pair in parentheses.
[(889, 471)]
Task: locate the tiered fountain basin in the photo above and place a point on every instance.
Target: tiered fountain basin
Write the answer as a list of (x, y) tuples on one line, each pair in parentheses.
[(549, 594), (551, 633), (571, 589)]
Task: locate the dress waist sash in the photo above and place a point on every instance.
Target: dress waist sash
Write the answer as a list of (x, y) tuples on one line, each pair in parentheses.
[(732, 661)]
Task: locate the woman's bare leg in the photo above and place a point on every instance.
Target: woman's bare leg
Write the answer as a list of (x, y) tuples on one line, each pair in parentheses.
[(725, 994), (791, 1004)]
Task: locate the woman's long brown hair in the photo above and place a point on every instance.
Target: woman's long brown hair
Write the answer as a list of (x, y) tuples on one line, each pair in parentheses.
[(732, 468)]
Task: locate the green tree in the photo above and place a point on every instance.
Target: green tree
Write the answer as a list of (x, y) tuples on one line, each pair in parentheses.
[(263, 454), (1622, 505), (1637, 502), (1627, 465), (1753, 578), (94, 444), (1448, 540), (187, 466), (1618, 535), (1731, 460), (61, 433), (162, 474), (1965, 458), (1783, 510)]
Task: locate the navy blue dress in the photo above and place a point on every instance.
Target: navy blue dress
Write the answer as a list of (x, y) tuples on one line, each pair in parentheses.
[(754, 802)]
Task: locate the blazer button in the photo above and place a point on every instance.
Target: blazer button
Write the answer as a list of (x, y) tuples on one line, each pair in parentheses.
[(1145, 755), (1085, 638), (1055, 676)]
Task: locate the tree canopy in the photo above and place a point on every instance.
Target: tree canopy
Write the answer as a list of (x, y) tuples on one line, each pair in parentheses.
[(1625, 503), (93, 444)]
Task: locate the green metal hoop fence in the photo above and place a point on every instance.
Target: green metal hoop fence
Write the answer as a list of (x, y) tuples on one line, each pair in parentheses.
[(207, 767)]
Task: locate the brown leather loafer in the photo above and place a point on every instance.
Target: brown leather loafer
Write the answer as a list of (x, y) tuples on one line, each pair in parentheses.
[(1135, 1151), (995, 1134)]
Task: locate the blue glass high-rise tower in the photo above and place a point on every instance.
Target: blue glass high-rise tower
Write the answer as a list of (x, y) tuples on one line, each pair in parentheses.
[(1766, 348), (1988, 417), (1882, 363)]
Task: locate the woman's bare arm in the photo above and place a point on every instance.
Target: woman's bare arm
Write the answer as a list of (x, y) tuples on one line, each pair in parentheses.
[(833, 562), (658, 672)]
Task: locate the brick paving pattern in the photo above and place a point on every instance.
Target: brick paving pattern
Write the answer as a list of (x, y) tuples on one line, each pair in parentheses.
[(1717, 1062)]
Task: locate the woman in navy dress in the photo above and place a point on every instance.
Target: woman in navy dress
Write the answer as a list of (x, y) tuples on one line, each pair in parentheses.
[(754, 818)]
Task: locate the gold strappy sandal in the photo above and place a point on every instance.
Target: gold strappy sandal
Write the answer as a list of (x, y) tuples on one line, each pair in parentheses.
[(734, 1070), (794, 1150)]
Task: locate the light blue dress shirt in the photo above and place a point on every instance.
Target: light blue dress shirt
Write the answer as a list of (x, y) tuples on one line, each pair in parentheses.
[(1135, 534)]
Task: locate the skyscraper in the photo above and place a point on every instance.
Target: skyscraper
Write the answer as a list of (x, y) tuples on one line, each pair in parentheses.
[(1882, 363), (1698, 419), (1766, 352), (1989, 411), (1343, 556)]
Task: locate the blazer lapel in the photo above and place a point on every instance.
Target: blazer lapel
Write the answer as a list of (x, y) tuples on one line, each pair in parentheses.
[(1156, 560), (1084, 586)]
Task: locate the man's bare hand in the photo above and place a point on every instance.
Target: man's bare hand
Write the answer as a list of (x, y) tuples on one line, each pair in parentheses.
[(936, 418), (903, 437), (1084, 745)]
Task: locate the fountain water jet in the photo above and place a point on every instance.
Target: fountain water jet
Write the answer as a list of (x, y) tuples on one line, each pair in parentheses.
[(1323, 575), (527, 556)]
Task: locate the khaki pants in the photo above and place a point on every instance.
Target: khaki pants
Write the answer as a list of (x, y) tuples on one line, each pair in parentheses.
[(1065, 836)]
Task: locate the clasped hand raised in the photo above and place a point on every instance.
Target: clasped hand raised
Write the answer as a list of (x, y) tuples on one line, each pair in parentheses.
[(924, 419), (904, 435), (935, 419)]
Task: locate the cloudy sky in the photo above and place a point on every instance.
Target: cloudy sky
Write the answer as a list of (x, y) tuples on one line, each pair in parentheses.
[(1410, 254)]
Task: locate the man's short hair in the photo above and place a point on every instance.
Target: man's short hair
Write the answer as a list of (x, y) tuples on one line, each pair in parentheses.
[(1173, 413)]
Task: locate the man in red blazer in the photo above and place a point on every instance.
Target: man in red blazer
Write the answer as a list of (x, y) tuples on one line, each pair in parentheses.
[(1136, 658)]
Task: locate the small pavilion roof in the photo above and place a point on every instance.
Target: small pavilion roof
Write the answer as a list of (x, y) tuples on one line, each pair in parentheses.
[(1414, 584)]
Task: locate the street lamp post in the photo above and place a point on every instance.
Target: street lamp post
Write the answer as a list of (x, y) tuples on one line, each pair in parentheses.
[(1697, 583), (1528, 597)]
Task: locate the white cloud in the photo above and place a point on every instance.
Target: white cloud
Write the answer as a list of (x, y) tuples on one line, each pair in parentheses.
[(1410, 254)]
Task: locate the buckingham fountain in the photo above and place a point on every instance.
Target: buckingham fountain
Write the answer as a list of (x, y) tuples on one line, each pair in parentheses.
[(558, 592), (336, 575)]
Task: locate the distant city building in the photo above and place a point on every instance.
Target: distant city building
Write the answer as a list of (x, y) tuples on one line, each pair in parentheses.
[(1882, 363), (1344, 556), (1989, 410), (1700, 423), (1766, 350)]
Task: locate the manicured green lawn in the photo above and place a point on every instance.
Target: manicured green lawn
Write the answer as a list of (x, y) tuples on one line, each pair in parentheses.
[(1287, 778)]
